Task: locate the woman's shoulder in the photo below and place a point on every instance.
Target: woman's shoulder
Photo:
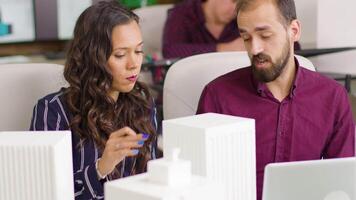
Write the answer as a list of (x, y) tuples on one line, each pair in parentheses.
[(52, 96), (53, 101), (49, 113)]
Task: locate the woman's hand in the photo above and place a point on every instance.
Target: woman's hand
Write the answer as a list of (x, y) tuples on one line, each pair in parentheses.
[(121, 143)]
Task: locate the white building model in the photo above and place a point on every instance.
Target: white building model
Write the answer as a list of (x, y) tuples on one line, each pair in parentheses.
[(36, 165), (166, 179), (220, 147)]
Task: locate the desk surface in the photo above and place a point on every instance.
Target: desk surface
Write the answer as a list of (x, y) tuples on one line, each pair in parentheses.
[(30, 59), (340, 63)]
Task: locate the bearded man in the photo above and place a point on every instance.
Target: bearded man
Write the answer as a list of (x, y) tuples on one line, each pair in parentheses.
[(299, 114)]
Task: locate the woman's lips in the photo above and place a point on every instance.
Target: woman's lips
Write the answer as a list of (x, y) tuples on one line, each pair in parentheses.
[(132, 78)]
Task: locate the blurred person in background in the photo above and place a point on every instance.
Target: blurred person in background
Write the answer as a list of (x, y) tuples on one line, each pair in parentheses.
[(201, 26)]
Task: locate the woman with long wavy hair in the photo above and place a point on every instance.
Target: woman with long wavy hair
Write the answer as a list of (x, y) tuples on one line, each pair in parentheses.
[(110, 114)]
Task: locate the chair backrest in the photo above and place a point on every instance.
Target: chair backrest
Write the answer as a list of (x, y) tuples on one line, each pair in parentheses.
[(21, 85), (186, 79), (152, 20)]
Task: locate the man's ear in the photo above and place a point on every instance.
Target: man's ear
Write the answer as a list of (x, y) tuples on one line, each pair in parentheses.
[(295, 30)]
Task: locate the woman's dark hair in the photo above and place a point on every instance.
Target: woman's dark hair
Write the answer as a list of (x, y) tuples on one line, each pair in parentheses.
[(94, 114)]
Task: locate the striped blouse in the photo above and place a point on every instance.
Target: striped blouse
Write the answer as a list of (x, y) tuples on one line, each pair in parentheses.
[(50, 114)]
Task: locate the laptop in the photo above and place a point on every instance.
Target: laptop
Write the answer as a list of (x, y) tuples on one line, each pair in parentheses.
[(329, 179)]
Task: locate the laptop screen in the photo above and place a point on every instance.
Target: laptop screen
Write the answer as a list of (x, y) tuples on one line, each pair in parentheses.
[(330, 179)]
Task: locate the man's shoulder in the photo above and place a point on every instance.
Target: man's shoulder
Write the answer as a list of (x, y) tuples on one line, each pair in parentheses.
[(233, 77), (184, 10), (315, 78), (186, 5)]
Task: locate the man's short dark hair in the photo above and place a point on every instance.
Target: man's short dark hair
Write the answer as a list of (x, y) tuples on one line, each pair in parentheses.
[(286, 8)]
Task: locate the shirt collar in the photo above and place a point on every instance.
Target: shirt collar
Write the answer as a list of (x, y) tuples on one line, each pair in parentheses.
[(262, 89)]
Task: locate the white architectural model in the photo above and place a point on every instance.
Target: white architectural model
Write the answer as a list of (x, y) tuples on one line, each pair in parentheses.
[(221, 147), (166, 179), (36, 165)]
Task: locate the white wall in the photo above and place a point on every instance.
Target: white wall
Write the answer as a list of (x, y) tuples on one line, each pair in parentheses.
[(306, 13), (68, 13), (327, 23), (336, 23)]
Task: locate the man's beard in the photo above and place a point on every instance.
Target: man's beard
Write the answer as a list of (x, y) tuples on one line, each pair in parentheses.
[(274, 71)]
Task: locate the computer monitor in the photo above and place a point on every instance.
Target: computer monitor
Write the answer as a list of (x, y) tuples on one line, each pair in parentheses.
[(330, 179), (36, 165), (39, 20), (55, 20), (17, 20)]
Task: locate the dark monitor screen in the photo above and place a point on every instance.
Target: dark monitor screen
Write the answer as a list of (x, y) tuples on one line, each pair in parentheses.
[(55, 19)]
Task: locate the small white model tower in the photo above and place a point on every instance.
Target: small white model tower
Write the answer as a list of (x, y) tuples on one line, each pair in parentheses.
[(167, 178)]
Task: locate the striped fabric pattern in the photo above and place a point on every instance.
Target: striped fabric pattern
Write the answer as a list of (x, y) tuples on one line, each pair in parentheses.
[(50, 114)]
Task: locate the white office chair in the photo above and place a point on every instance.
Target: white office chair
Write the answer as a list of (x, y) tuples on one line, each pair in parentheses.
[(152, 20), (21, 85), (186, 79)]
